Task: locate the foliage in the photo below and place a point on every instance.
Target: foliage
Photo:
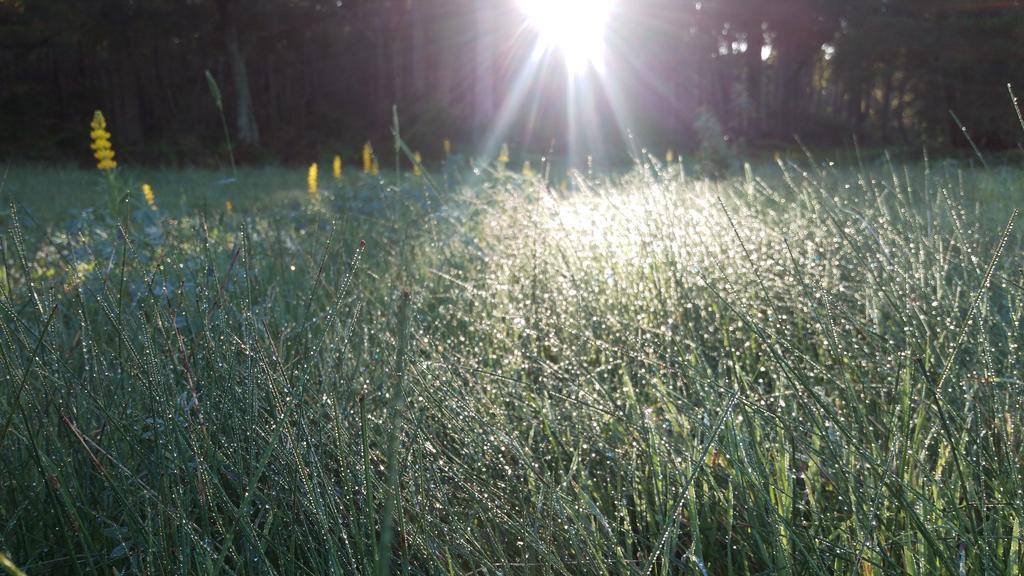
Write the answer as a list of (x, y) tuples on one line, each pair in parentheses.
[(305, 77)]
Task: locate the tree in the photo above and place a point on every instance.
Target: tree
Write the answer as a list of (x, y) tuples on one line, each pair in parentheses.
[(299, 75), (248, 132)]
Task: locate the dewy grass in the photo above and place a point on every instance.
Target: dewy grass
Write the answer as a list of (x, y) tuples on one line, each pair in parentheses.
[(804, 370)]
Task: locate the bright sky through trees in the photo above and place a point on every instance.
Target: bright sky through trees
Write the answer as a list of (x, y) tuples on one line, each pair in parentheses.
[(576, 28)]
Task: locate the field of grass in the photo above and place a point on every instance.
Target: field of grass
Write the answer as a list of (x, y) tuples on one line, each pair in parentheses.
[(803, 369)]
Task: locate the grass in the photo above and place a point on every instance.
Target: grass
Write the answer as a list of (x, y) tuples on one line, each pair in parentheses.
[(806, 369)]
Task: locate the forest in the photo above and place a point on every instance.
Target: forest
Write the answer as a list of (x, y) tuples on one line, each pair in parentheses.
[(306, 77)]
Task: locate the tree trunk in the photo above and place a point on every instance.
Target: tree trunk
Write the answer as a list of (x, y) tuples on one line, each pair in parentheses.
[(855, 108), (790, 75), (755, 42), (953, 131), (419, 47), (128, 110), (886, 107), (447, 56), (900, 111), (484, 76), (245, 117), (58, 86), (160, 73), (384, 97), (248, 132), (398, 48)]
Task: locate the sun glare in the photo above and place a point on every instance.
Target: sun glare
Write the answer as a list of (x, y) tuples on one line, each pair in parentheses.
[(576, 28)]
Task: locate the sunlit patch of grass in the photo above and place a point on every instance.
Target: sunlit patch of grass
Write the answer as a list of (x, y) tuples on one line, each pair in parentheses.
[(801, 370)]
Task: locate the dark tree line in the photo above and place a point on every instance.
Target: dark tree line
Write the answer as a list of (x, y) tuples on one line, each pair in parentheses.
[(302, 77)]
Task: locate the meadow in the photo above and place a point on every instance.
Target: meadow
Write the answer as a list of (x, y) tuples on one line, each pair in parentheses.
[(801, 368)]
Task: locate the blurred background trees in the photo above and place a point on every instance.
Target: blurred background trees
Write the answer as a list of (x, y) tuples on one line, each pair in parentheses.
[(302, 77)]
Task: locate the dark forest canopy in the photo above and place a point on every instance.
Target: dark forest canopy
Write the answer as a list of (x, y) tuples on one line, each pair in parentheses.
[(305, 77)]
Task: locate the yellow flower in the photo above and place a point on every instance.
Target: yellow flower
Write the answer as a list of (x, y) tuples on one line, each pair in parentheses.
[(527, 170), (503, 157), (102, 150), (337, 167), (229, 207), (367, 158), (447, 147), (416, 171), (375, 167), (670, 156), (81, 271), (311, 181), (147, 193)]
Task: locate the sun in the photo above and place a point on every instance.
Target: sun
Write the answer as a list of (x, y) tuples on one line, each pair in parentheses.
[(576, 28)]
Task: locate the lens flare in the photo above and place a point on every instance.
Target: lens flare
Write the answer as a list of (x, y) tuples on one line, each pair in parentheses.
[(576, 28)]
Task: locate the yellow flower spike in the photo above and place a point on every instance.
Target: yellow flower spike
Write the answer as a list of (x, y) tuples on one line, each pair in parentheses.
[(147, 194), (416, 171), (101, 147), (99, 123), (10, 566), (229, 207), (367, 158), (527, 170), (670, 156), (337, 167), (447, 147), (503, 157), (311, 181), (375, 168)]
